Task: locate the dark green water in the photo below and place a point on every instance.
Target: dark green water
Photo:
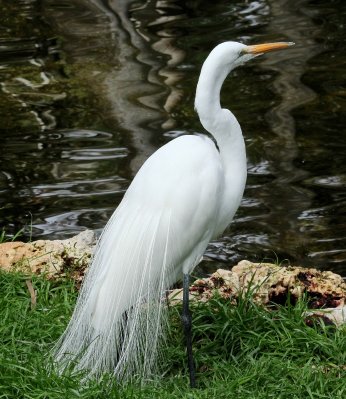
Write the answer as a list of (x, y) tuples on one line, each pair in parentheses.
[(89, 89)]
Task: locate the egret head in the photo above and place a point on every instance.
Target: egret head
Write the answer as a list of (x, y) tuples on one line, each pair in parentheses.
[(229, 55), (220, 62)]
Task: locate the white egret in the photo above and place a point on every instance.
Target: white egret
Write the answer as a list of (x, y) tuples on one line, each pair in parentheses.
[(184, 195)]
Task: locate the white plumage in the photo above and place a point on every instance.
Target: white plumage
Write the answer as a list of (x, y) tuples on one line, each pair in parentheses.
[(184, 195)]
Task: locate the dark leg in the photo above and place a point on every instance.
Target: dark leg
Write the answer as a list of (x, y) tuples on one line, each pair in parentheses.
[(187, 325)]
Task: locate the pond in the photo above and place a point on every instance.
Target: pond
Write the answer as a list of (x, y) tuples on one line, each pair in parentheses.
[(90, 88)]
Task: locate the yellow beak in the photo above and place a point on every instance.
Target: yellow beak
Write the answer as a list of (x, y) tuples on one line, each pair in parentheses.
[(264, 48)]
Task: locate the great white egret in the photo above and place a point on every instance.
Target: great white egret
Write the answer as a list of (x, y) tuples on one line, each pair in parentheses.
[(184, 195)]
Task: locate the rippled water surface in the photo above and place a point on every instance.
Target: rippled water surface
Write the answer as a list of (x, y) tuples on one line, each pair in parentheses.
[(89, 89)]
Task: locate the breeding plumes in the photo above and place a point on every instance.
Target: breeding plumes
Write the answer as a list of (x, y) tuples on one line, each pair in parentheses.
[(184, 195)]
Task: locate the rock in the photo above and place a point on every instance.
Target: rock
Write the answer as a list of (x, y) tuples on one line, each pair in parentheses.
[(223, 282), (52, 258), (335, 316), (269, 284), (275, 284)]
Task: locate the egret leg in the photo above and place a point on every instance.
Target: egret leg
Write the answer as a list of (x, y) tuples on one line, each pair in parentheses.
[(186, 319)]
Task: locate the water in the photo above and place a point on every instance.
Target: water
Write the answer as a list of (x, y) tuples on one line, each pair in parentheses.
[(89, 89)]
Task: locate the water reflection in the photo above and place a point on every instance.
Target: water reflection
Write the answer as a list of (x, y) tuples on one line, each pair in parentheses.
[(90, 88), (281, 197)]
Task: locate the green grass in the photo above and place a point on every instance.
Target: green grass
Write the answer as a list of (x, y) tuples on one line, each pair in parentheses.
[(4, 237), (241, 351)]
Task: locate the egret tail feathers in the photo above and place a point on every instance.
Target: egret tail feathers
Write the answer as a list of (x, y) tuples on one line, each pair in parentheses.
[(120, 315)]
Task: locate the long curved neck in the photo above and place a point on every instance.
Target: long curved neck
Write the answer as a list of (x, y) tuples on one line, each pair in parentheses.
[(207, 101), (221, 123)]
